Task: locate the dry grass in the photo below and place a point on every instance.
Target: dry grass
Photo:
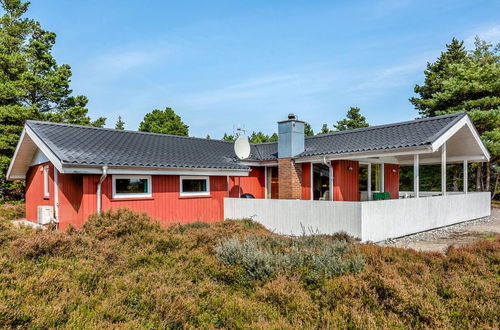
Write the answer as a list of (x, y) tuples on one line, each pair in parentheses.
[(121, 271)]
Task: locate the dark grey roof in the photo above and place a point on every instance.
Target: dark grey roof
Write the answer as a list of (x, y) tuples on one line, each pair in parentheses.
[(414, 133), (83, 145)]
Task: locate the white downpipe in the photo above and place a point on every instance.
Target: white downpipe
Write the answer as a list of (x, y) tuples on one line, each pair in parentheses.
[(330, 178), (56, 194), (466, 177), (101, 179)]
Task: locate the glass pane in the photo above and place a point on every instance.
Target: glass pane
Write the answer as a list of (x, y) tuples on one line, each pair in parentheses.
[(131, 186), (321, 182), (194, 185)]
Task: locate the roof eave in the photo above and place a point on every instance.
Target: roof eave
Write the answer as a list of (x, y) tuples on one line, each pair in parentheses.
[(97, 169)]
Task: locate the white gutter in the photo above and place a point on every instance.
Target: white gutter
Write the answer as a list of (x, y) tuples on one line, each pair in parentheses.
[(330, 178), (101, 179)]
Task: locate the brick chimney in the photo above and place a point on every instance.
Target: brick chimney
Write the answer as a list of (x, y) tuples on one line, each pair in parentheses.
[(290, 144)]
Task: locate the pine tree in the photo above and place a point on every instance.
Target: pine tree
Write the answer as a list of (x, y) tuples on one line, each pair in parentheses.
[(120, 124), (353, 120), (436, 72), (324, 129), (32, 84), (467, 81), (308, 131), (165, 122), (228, 137)]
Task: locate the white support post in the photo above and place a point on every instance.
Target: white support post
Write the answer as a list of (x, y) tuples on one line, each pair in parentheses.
[(466, 177), (382, 177), (330, 183), (443, 169), (416, 176), (369, 183)]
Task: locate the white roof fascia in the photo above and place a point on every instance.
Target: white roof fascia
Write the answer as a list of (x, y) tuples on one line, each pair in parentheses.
[(46, 150), (367, 154), (454, 129), (21, 138), (455, 159), (155, 171)]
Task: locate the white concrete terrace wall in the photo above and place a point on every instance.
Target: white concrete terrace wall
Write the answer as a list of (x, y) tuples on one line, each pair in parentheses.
[(370, 221), (291, 217), (399, 217)]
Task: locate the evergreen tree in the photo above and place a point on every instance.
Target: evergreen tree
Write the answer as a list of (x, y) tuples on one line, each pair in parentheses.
[(228, 137), (353, 120), (467, 81), (165, 122), (324, 129), (32, 85), (435, 74), (120, 124), (308, 131)]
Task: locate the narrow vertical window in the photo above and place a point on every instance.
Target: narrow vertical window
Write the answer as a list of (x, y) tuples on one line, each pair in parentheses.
[(46, 191)]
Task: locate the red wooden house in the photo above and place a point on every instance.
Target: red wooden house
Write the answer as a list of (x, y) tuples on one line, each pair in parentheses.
[(82, 170)]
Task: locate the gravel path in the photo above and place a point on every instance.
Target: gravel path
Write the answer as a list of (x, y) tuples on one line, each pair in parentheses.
[(456, 235)]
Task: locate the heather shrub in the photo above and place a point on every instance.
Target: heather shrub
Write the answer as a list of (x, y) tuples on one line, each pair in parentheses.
[(12, 211), (122, 270), (314, 258), (42, 243)]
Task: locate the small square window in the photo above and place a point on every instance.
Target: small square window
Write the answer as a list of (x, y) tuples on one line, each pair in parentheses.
[(195, 186), (131, 186)]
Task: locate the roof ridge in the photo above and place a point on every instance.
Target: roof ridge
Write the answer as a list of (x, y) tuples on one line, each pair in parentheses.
[(124, 130), (407, 122)]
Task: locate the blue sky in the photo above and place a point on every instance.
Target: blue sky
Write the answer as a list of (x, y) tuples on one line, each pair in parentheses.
[(220, 63)]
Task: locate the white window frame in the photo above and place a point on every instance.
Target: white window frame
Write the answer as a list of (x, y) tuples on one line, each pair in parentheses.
[(46, 189), (149, 194), (195, 193)]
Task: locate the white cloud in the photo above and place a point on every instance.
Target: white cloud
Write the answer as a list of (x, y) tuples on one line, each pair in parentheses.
[(117, 63), (490, 34)]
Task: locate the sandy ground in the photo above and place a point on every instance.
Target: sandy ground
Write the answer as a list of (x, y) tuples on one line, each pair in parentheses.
[(456, 235)]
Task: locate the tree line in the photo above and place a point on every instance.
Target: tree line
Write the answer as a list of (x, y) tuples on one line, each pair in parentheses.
[(34, 86)]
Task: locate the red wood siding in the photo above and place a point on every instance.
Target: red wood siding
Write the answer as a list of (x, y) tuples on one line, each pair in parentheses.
[(391, 180), (70, 200), (306, 181), (253, 184), (345, 181), (166, 204), (34, 190)]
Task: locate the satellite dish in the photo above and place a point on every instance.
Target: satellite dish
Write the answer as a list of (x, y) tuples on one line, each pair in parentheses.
[(242, 147)]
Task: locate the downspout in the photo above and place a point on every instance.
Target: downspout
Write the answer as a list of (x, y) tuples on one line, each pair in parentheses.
[(101, 179), (330, 178)]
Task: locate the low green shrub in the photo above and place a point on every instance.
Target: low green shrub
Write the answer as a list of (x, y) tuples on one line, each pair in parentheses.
[(316, 258)]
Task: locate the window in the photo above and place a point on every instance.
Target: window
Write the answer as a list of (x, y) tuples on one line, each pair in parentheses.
[(195, 186), (46, 191), (131, 186)]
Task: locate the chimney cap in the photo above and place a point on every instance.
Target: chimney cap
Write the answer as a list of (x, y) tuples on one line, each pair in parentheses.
[(291, 117)]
